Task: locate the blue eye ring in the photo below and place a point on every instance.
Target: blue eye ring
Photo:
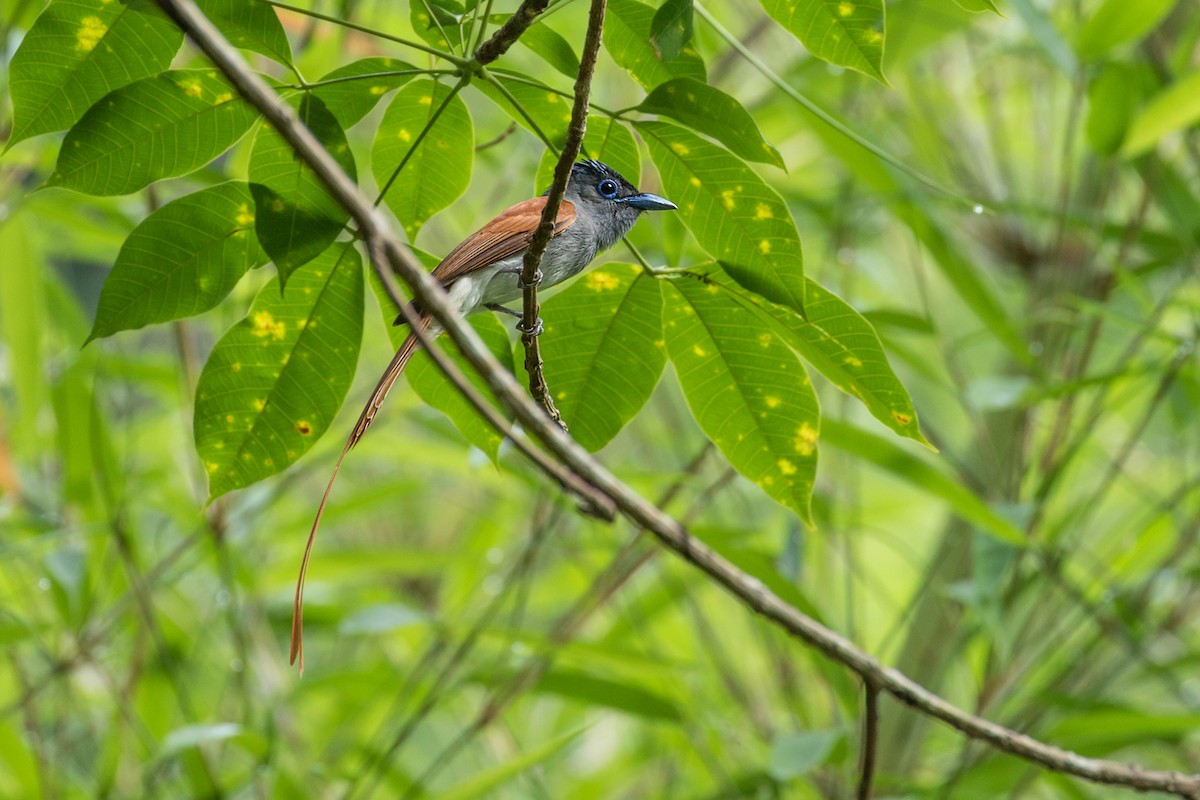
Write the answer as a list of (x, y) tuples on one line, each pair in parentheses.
[(607, 188)]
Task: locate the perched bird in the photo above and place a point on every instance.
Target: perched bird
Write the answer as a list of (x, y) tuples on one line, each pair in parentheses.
[(484, 272)]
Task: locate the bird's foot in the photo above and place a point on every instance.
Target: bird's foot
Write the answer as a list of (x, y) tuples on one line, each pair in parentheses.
[(502, 310), (537, 276), (537, 329)]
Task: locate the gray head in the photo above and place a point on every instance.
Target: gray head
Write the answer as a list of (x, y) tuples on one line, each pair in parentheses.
[(608, 202)]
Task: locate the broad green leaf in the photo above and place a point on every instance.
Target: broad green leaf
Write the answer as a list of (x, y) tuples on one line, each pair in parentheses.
[(713, 113), (551, 48), (796, 754), (434, 388), (540, 110), (748, 391), (605, 140), (251, 26), (733, 214), (888, 456), (627, 40), (191, 736), (80, 50), (482, 784), (1113, 98), (435, 20), (671, 29), (848, 33), (296, 217), (603, 350), (1119, 21), (181, 260), (275, 380), (351, 91), (977, 6), (1174, 108), (437, 169), (157, 128), (605, 692), (844, 347)]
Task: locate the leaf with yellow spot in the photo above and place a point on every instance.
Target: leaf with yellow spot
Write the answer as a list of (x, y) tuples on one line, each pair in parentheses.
[(602, 351), (351, 100), (751, 396), (710, 111), (181, 260), (76, 52), (733, 214), (627, 32), (251, 26), (606, 140), (279, 412), (296, 217), (159, 127), (433, 176), (848, 33)]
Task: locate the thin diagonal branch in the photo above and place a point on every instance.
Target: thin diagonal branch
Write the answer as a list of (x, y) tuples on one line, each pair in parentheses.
[(508, 33), (749, 591), (541, 238)]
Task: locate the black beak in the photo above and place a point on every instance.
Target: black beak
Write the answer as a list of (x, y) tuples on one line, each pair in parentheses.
[(648, 202)]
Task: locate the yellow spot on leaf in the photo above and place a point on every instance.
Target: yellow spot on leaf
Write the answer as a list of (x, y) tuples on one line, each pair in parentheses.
[(266, 325), (765, 339), (229, 417), (845, 9), (378, 90), (786, 467), (764, 246), (727, 200), (874, 37), (259, 404), (192, 88), (806, 439), (551, 97), (244, 218), (602, 281), (277, 206), (426, 101), (680, 148), (852, 361), (700, 351), (763, 211), (91, 31), (767, 481), (903, 419), (213, 467), (235, 367), (222, 98), (772, 401), (304, 428), (694, 181), (403, 135)]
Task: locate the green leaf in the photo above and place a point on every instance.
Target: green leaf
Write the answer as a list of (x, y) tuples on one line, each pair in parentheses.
[(713, 113), (484, 782), (885, 454), (351, 100), (1113, 98), (1119, 21), (605, 140), (844, 347), (848, 33), (608, 693), (602, 350), (627, 40), (977, 6), (251, 26), (157, 128), (190, 736), (438, 170), (796, 754), (1174, 108), (671, 29), (275, 380), (733, 214), (434, 388), (748, 391), (551, 48), (296, 217), (539, 110), (76, 52), (431, 18), (181, 260)]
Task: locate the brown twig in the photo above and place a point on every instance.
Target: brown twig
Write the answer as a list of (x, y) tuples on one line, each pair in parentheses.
[(530, 276), (508, 33), (870, 740), (750, 591)]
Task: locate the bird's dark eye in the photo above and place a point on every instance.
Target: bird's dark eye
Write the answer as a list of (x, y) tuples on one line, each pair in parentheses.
[(607, 189)]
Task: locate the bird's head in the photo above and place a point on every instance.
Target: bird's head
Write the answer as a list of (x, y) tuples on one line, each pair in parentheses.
[(596, 183)]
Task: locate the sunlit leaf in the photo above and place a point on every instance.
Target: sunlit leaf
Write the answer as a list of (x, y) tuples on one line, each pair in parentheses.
[(539, 110), (843, 347), (1113, 99), (552, 48), (436, 169), (482, 784), (275, 380), (80, 50), (351, 100), (435, 20), (749, 392), (181, 260), (889, 456), (798, 753), (848, 33), (605, 140), (250, 26), (1174, 108), (712, 112), (977, 6), (157, 128), (603, 350), (671, 29), (296, 217), (605, 692), (735, 216), (1116, 22), (627, 40)]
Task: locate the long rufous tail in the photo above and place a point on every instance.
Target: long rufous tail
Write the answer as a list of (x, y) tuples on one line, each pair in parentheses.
[(393, 371)]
